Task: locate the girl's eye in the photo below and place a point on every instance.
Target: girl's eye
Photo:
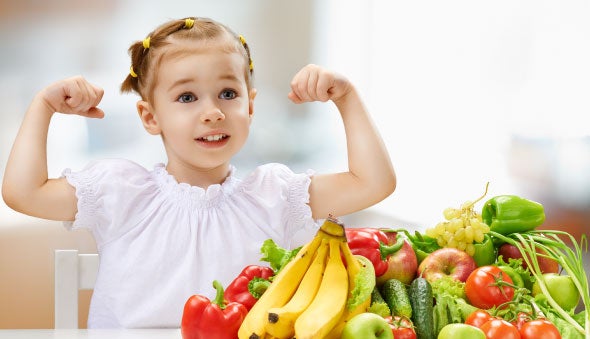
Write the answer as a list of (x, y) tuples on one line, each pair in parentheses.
[(228, 94), (186, 97)]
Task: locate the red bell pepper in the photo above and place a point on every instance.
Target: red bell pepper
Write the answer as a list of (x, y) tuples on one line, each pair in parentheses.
[(211, 319), (374, 245), (249, 285)]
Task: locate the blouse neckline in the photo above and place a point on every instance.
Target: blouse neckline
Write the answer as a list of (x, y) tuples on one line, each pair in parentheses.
[(200, 197)]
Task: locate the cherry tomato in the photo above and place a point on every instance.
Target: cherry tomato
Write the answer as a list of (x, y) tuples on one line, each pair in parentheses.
[(539, 329), (484, 288), (478, 318), (500, 329), (401, 327), (521, 318)]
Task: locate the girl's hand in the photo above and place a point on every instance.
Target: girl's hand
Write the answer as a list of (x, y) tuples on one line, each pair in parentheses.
[(73, 96), (313, 83)]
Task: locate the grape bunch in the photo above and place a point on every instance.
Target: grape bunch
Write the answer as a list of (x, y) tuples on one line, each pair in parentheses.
[(461, 228)]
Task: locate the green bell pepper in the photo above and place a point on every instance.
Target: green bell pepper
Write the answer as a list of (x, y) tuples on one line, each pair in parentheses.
[(485, 252), (506, 214)]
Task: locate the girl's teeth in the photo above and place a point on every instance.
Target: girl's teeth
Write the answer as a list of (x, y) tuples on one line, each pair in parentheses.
[(214, 137)]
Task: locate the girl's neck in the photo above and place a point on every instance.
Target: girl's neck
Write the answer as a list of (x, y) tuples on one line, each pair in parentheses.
[(200, 177)]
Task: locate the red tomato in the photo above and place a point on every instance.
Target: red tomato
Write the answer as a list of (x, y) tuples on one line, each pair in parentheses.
[(478, 318), (499, 329), (484, 288), (521, 318), (401, 327), (539, 329)]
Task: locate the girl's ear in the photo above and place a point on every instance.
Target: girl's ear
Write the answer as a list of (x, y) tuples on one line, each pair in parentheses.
[(150, 123), (251, 95)]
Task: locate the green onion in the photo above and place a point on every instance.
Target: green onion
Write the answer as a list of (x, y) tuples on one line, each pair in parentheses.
[(569, 258)]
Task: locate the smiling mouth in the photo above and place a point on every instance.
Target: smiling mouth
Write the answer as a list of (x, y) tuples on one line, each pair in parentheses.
[(213, 138)]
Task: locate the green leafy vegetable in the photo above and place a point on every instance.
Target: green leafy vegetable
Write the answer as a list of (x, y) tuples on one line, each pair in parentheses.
[(450, 285), (277, 256), (378, 304), (364, 283)]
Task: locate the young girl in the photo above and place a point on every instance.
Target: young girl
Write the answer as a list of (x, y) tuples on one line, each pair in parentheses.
[(165, 234)]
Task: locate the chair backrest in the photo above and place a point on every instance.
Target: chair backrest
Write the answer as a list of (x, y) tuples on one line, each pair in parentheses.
[(73, 272)]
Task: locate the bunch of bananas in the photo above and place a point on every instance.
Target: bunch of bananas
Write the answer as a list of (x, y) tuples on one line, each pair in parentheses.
[(316, 293)]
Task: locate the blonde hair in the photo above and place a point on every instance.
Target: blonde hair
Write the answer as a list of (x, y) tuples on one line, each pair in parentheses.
[(144, 61)]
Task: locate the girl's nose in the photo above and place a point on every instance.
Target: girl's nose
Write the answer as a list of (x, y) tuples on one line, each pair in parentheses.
[(212, 114)]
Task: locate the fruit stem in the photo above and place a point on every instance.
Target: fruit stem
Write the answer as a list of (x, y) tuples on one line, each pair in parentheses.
[(478, 199)]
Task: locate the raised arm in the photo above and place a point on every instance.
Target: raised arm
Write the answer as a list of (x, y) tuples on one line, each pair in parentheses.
[(370, 177), (26, 187)]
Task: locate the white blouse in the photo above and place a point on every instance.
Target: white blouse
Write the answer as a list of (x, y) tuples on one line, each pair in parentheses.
[(161, 241)]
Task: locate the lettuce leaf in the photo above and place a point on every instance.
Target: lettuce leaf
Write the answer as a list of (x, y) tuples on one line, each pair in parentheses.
[(275, 255)]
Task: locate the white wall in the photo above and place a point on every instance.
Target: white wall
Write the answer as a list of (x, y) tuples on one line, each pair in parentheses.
[(467, 92)]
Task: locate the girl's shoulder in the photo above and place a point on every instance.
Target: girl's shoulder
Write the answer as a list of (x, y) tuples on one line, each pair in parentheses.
[(114, 166), (275, 177), (108, 171), (273, 172)]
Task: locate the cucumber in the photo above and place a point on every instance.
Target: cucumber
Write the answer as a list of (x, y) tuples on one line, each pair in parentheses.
[(397, 298), (422, 302), (378, 305)]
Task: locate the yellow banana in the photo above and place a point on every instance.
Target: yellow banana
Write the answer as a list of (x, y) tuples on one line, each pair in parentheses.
[(279, 292), (327, 307), (281, 320), (332, 228), (360, 271)]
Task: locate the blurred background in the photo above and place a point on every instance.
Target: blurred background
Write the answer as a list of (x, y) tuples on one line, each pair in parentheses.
[(464, 93)]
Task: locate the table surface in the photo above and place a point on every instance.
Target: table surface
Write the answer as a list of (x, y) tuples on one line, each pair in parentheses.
[(91, 334)]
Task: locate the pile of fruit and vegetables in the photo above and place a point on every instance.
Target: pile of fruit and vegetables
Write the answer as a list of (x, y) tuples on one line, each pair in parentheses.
[(489, 274)]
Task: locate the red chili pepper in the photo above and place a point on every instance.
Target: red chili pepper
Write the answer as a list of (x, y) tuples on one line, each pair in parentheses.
[(249, 285), (211, 319), (374, 245)]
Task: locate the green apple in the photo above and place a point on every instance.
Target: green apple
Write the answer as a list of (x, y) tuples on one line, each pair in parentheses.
[(367, 326), (460, 331), (562, 290)]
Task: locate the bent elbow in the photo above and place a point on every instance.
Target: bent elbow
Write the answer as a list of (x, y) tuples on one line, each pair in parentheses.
[(389, 184), (9, 198), (380, 189), (14, 197), (393, 183)]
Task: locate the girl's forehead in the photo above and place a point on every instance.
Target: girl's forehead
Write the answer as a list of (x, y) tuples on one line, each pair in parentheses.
[(178, 48), (222, 42)]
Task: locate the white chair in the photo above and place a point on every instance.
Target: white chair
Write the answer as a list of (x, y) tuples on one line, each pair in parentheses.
[(73, 272)]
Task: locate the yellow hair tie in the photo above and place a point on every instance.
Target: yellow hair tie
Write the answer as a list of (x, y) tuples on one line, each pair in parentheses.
[(146, 43), (189, 23), (132, 73), (243, 41)]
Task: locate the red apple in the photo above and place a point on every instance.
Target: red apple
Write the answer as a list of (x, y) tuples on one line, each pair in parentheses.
[(447, 261), (508, 251), (402, 265)]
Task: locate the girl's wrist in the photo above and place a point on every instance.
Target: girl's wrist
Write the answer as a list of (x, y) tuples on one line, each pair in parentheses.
[(40, 106), (348, 100)]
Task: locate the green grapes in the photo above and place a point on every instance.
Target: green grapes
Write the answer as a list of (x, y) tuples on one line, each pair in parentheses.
[(461, 228)]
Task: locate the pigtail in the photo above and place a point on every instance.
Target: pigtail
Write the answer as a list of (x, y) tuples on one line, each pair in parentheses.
[(132, 81)]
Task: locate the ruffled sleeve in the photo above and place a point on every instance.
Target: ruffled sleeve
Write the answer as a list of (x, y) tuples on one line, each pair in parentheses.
[(109, 192), (284, 194)]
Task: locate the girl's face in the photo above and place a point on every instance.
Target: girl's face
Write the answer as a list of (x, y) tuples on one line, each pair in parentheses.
[(202, 109)]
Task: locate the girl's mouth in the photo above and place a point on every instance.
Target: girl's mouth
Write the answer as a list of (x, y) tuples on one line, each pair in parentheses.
[(213, 138)]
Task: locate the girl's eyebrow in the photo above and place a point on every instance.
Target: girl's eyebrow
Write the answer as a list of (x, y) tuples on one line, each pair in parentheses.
[(180, 82), (229, 76)]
